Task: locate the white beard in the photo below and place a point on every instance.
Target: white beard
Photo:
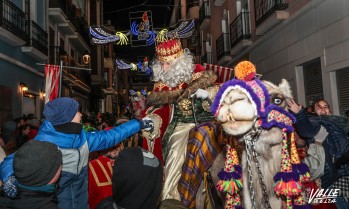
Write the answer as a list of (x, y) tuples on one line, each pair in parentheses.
[(181, 70)]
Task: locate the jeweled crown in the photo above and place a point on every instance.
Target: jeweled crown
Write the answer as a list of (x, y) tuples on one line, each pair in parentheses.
[(169, 49)]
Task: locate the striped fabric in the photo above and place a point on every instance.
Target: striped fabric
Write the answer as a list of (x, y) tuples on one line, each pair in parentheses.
[(224, 74), (203, 148)]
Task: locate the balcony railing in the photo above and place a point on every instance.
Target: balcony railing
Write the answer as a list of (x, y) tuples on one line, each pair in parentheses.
[(222, 46), (207, 58), (265, 8), (13, 19), (38, 38), (81, 27), (74, 15), (62, 4), (205, 11), (240, 28)]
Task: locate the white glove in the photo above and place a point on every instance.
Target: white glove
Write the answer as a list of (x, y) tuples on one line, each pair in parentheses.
[(201, 94), (321, 135)]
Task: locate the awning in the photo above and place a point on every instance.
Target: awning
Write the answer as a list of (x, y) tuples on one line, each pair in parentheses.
[(224, 73)]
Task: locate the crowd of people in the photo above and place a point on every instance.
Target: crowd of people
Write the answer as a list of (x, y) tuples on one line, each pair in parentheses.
[(325, 137), (69, 160)]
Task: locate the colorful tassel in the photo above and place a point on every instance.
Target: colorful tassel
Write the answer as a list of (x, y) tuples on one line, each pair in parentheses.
[(288, 203), (286, 181), (300, 203), (298, 167), (231, 180)]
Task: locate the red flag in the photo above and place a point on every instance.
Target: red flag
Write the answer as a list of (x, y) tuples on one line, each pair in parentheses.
[(52, 82)]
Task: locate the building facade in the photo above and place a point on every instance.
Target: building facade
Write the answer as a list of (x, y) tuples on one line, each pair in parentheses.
[(303, 41), (23, 44), (68, 42), (35, 33)]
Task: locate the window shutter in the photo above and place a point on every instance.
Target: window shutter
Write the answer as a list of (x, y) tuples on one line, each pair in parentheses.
[(343, 89), (312, 80)]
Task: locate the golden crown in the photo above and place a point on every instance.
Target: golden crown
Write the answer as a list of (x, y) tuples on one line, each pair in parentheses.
[(169, 49)]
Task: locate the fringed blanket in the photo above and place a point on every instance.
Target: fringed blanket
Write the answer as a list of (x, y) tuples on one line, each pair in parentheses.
[(203, 148)]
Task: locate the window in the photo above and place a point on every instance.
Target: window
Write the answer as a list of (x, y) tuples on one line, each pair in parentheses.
[(72, 53), (29, 104), (342, 77), (5, 104), (312, 81), (52, 55)]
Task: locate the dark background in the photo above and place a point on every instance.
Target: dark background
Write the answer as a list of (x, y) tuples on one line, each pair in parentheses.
[(118, 13)]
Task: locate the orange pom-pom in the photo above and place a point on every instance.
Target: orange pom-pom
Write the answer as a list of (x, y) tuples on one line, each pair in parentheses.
[(290, 188), (245, 71)]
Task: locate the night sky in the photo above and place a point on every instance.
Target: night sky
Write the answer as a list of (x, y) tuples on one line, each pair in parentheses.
[(118, 12)]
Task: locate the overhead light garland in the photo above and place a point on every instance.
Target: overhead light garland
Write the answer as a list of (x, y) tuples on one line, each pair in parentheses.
[(183, 29), (142, 66), (123, 65), (100, 36)]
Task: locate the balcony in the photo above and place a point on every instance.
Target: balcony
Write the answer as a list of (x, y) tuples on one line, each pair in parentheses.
[(70, 21), (75, 83), (240, 33), (55, 53), (223, 49), (269, 13), (37, 45), (204, 15), (207, 58), (14, 28), (219, 3), (80, 38), (60, 11), (75, 78)]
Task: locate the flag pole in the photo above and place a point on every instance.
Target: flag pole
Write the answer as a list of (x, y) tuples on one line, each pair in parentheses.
[(60, 78)]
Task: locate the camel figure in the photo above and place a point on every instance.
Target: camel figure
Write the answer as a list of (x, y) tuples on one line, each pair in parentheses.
[(240, 113)]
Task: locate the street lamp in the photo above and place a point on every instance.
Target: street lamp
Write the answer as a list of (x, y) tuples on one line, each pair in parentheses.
[(86, 57), (24, 87), (42, 92)]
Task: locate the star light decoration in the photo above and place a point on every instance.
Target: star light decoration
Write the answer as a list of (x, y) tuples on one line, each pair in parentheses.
[(182, 29)]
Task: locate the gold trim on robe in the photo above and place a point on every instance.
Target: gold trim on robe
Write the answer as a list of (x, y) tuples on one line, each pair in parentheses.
[(103, 169)]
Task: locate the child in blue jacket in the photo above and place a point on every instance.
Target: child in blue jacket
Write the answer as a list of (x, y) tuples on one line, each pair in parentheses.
[(62, 127)]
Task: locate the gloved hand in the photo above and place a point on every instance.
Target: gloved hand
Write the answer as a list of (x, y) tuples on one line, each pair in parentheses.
[(147, 124), (344, 159), (321, 135), (201, 94), (10, 187)]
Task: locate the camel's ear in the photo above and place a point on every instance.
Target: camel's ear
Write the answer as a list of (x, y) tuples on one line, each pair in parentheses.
[(286, 89)]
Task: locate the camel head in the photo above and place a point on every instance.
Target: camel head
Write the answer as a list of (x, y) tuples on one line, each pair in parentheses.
[(237, 113), (241, 102)]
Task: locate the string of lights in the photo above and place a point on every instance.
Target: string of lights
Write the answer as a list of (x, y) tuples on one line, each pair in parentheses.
[(143, 4), (127, 8)]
